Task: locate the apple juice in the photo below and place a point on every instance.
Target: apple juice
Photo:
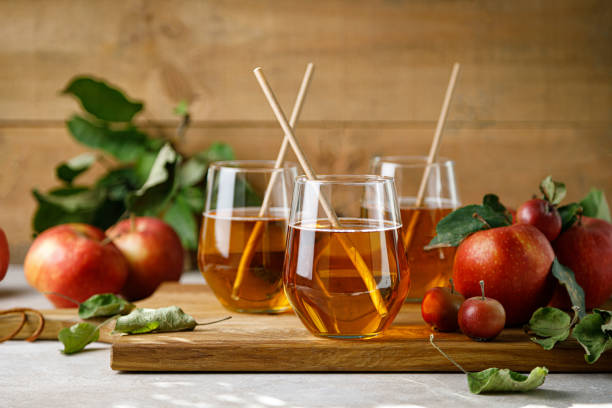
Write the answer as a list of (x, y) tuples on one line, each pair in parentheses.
[(428, 268), (223, 239), (326, 290)]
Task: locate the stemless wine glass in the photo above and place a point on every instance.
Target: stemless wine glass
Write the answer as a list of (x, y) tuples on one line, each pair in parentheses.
[(241, 252), (345, 272), (434, 267)]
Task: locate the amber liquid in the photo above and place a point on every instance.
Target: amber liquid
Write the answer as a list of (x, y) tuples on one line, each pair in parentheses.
[(428, 268), (222, 241), (326, 290)]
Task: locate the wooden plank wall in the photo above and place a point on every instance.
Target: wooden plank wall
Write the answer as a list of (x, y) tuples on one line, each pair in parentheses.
[(534, 97)]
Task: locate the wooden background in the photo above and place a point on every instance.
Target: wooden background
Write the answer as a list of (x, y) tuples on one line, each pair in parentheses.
[(534, 97)]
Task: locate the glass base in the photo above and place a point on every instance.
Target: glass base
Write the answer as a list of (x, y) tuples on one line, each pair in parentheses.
[(260, 311), (348, 336)]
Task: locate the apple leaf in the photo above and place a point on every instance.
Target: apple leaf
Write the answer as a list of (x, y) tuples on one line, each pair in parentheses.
[(77, 336), (182, 108), (181, 217), (165, 319), (595, 205), (569, 214), (71, 169), (505, 380), (553, 191), (594, 335), (102, 100), (566, 277), (159, 186), (126, 145), (104, 305), (551, 325), (461, 223), (492, 201)]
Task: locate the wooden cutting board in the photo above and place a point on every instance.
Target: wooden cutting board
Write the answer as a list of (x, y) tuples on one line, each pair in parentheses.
[(281, 343)]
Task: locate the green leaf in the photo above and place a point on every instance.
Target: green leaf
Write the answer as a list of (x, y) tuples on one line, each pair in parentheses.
[(119, 183), (194, 197), (180, 216), (216, 152), (182, 108), (104, 305), (126, 145), (77, 336), (68, 171), (102, 100), (569, 215), (566, 277), (553, 191), (492, 201), (157, 190), (593, 335), (595, 205), (192, 172), (65, 205), (504, 380), (166, 319), (550, 323), (459, 224)]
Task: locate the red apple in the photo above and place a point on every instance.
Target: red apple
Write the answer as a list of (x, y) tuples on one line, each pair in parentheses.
[(4, 254), (542, 215), (515, 263), (73, 260), (586, 248), (482, 318), (153, 251), (439, 308)]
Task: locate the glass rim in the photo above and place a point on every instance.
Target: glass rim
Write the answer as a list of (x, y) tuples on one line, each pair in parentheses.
[(345, 179), (251, 166), (411, 161)]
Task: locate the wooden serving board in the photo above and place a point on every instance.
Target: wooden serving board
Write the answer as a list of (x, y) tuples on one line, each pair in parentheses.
[(281, 343)]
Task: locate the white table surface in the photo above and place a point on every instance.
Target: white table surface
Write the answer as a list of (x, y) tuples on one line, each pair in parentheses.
[(38, 375)]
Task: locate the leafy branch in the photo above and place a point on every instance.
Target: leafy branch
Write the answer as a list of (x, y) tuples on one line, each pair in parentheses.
[(144, 175)]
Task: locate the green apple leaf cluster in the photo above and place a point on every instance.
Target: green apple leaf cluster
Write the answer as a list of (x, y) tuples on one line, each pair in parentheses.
[(143, 175), (593, 331), (134, 321)]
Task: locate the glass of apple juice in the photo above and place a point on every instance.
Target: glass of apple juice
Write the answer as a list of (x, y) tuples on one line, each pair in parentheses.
[(429, 268), (345, 271), (242, 244)]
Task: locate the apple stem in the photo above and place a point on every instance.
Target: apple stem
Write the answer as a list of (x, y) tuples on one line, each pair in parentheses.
[(452, 285), (482, 289), (431, 338), (68, 298), (106, 241), (481, 219), (132, 222), (576, 310), (214, 321)]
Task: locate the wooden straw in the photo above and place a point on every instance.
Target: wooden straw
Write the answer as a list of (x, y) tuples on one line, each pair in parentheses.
[(351, 251), (258, 229), (433, 153)]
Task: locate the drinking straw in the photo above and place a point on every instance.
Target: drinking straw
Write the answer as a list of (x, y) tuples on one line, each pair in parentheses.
[(258, 229), (352, 253), (433, 153)]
